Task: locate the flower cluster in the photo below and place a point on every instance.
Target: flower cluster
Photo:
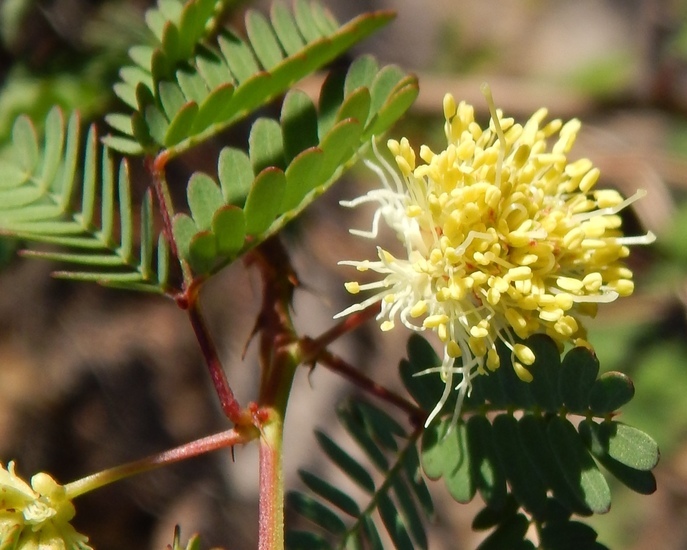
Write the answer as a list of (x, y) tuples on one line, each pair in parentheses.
[(36, 517), (504, 237)]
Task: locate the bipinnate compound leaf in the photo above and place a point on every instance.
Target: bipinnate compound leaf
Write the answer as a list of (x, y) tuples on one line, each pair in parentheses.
[(289, 163), (48, 195), (200, 79), (523, 451), (400, 503)]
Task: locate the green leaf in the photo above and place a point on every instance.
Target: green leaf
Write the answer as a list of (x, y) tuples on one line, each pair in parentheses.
[(306, 21), (264, 41), (375, 543), (204, 199), (393, 523), (356, 106), (229, 226), (264, 200), (403, 97), (533, 434), (628, 445), (445, 453), (156, 122), (578, 466), (238, 56), (425, 390), (298, 124), (330, 493), (178, 127), (125, 214), (611, 391), (355, 426), (412, 519), (316, 512), (413, 471), (640, 481), (235, 175), (214, 71), (568, 535), (509, 534), (54, 140), (192, 85), (297, 540), (51, 199), (486, 469), (547, 365), (285, 28), (213, 107), (489, 517), (331, 98), (361, 74), (265, 145), (383, 85), (338, 145), (522, 475), (259, 80), (202, 252), (324, 19), (25, 144), (345, 462), (302, 176), (579, 370), (171, 98), (184, 228), (381, 426)]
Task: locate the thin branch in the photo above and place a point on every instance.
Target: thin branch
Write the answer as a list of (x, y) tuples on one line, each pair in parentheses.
[(213, 442), (228, 401), (312, 347), (335, 364)]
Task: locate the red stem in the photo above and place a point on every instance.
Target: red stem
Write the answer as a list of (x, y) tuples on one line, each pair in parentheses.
[(156, 167), (271, 514), (213, 442), (311, 348), (228, 401), (335, 364)]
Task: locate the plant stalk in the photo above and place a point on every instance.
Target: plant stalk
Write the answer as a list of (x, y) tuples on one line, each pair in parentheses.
[(213, 442)]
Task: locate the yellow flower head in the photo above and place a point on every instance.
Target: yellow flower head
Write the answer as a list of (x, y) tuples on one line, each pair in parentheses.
[(36, 517), (503, 237)]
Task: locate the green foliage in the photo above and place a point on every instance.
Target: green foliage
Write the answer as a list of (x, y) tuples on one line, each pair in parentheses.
[(537, 460), (195, 84), (39, 184), (400, 500), (289, 164)]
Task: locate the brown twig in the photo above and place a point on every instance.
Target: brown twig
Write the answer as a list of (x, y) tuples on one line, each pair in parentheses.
[(335, 364)]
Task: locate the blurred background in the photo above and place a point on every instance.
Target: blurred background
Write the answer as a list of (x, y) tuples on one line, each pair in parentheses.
[(90, 377)]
